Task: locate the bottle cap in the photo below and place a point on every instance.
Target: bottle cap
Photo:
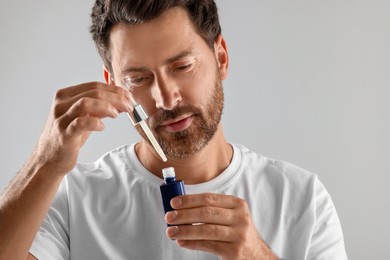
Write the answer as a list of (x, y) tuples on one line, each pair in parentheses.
[(168, 172)]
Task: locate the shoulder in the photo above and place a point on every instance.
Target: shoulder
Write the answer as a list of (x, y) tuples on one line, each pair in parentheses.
[(276, 182), (108, 162), (106, 171), (274, 170), (291, 207)]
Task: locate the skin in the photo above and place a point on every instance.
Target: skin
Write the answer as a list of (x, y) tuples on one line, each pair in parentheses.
[(227, 228), (134, 47), (75, 113)]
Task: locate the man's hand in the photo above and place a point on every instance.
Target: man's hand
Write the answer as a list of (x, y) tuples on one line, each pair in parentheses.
[(219, 224), (76, 111)]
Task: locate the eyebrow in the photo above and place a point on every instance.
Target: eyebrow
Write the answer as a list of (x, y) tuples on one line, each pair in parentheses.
[(178, 56), (168, 61)]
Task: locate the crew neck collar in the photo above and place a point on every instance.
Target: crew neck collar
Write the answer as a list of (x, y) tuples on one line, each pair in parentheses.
[(214, 185)]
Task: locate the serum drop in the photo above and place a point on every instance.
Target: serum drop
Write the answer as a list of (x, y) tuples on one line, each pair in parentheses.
[(171, 188)]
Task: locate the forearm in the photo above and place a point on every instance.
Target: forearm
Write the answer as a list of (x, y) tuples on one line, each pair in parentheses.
[(23, 205)]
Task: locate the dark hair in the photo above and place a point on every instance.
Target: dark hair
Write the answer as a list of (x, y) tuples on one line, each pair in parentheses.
[(106, 13)]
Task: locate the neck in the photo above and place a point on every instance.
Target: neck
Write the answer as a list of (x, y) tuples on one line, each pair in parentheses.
[(203, 166)]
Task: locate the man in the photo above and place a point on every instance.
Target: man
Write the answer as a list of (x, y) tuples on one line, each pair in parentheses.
[(240, 205)]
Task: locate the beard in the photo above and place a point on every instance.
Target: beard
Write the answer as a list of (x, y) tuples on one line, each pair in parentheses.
[(204, 125)]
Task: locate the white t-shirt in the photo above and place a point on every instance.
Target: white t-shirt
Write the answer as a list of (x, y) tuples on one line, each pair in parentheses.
[(112, 209)]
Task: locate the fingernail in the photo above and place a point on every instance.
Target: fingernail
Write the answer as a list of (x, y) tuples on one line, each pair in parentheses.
[(176, 202), (115, 112), (101, 125), (171, 231), (171, 215), (129, 107)]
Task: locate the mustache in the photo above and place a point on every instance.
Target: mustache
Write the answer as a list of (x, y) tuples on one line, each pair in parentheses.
[(163, 115)]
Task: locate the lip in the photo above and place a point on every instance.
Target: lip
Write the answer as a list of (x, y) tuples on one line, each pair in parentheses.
[(178, 124)]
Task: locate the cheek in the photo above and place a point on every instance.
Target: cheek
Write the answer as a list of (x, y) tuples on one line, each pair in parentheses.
[(198, 89), (148, 103)]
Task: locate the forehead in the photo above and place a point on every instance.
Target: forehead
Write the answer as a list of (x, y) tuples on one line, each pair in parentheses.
[(156, 40)]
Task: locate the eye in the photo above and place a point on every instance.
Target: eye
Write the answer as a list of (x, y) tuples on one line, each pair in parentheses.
[(136, 81), (186, 67)]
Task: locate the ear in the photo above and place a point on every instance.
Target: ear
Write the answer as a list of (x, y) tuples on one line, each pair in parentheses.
[(107, 75), (221, 54)]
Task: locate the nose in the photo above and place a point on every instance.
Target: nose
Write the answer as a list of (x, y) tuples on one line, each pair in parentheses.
[(166, 93)]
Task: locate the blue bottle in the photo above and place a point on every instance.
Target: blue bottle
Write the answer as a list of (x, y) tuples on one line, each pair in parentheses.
[(171, 188)]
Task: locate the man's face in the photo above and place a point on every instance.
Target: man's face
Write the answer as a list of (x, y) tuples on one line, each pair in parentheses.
[(174, 75)]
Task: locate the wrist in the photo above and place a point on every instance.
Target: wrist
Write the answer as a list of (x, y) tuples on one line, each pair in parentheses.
[(53, 163)]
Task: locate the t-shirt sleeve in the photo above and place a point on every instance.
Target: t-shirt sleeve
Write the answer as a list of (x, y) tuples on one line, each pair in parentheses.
[(52, 239), (327, 240)]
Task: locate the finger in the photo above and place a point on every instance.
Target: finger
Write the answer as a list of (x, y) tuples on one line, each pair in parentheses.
[(215, 247), (81, 88), (205, 199), (119, 102), (87, 107), (210, 215), (82, 125), (201, 232)]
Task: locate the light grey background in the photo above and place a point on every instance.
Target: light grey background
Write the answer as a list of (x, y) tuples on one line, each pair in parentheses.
[(309, 83)]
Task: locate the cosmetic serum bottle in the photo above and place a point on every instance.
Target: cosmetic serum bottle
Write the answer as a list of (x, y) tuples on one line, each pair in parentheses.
[(171, 188)]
